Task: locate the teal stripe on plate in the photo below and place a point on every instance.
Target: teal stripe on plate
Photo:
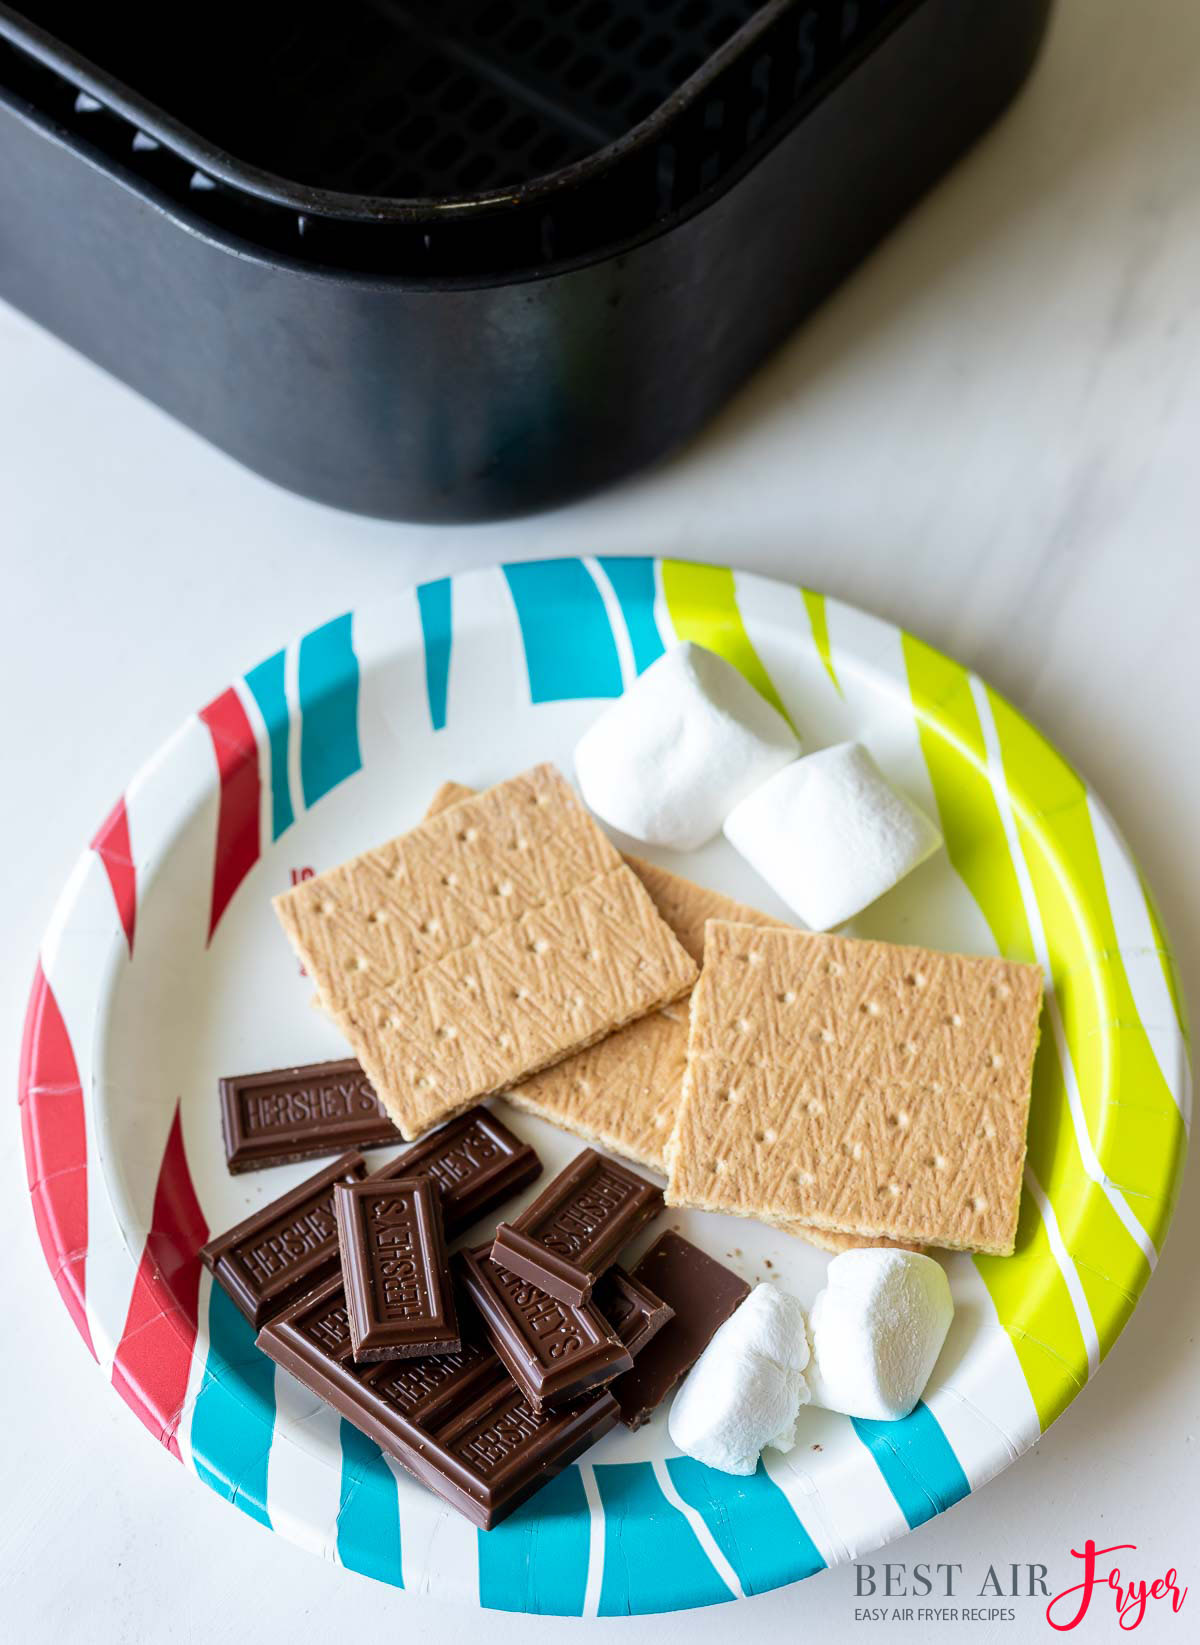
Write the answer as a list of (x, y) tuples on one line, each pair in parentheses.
[(652, 1560), (368, 1525), (434, 604), (267, 689), (329, 709), (633, 584), (234, 1416), (537, 1559), (569, 648), (752, 1522), (917, 1461)]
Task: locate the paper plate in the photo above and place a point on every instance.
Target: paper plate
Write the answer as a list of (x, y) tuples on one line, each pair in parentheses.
[(163, 969)]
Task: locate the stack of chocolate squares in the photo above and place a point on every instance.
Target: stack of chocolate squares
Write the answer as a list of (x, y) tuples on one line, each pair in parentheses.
[(482, 1382)]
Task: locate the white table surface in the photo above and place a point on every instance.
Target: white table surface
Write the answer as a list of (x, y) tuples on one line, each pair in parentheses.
[(992, 436)]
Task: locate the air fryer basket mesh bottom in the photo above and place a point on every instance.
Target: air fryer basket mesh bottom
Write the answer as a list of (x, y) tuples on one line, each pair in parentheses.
[(415, 100), (517, 90)]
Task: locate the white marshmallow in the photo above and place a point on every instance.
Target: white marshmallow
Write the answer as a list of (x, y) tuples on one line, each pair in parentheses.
[(732, 1406), (745, 1390), (769, 1323), (687, 741), (830, 834), (877, 1330)]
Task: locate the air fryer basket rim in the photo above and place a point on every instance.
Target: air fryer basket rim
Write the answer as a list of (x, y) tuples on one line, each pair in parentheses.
[(306, 200)]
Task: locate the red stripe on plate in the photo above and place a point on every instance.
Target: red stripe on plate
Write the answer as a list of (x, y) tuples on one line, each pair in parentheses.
[(111, 845), (154, 1358), (55, 1138), (241, 792)]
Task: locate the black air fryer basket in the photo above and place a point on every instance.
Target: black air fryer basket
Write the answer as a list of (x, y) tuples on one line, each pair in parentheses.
[(458, 260)]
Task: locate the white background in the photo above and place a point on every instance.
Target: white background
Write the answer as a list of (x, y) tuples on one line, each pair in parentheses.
[(992, 436)]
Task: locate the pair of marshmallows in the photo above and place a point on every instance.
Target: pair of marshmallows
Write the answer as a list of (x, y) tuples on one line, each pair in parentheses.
[(872, 1338), (691, 747)]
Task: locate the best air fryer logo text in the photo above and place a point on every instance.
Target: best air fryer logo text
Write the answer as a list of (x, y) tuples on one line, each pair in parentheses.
[(1105, 1584)]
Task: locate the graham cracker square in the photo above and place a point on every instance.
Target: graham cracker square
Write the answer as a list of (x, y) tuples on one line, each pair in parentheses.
[(622, 1092), (487, 943), (860, 1087)]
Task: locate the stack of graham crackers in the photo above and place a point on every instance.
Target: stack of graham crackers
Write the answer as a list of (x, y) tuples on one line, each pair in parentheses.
[(850, 1092)]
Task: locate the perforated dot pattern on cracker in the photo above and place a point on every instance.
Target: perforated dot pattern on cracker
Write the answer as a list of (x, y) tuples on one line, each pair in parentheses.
[(623, 1092), (861, 1087), (688, 907), (492, 940)]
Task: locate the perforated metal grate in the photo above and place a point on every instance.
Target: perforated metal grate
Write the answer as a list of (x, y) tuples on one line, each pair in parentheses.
[(516, 91), (424, 103)]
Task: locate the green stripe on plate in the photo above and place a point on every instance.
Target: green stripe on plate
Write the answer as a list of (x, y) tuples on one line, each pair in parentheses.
[(702, 602), (1030, 1295), (1034, 1307), (1112, 1268), (1136, 1128), (814, 604)]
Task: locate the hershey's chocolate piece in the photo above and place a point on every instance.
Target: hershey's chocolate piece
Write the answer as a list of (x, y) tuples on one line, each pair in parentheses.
[(477, 1162), (564, 1280), (285, 1248), (631, 1308), (577, 1225), (300, 1113), (703, 1295), (554, 1350), (394, 1269), (456, 1421)]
